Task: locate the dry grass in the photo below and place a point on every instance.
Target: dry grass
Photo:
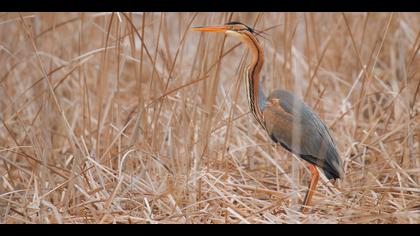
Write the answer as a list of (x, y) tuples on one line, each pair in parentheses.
[(133, 118)]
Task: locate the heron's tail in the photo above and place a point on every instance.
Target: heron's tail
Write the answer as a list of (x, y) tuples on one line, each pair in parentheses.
[(333, 168)]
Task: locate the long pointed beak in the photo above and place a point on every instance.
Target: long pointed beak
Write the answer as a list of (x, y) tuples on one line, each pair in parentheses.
[(211, 28)]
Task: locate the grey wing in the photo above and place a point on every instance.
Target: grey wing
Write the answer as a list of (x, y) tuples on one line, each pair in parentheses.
[(298, 129)]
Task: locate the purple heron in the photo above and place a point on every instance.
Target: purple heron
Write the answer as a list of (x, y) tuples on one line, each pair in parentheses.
[(285, 117)]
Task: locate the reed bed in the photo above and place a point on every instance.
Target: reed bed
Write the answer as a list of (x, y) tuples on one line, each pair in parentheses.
[(134, 118)]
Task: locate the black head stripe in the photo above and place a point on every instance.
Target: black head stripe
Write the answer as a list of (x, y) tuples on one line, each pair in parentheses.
[(251, 30), (239, 23)]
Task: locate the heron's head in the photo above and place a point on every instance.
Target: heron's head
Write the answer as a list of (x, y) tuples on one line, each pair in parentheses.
[(235, 29)]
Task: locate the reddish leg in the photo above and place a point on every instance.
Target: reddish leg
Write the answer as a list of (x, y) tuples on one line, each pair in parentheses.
[(311, 188)]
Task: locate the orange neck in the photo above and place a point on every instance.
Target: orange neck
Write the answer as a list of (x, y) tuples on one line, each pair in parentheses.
[(256, 97)]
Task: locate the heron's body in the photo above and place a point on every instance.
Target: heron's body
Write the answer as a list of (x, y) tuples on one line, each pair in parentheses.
[(313, 142), (285, 117)]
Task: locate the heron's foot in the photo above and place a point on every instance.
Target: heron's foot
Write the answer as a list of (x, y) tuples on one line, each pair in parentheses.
[(305, 209)]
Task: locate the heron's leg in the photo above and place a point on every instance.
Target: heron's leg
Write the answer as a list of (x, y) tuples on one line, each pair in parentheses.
[(311, 187)]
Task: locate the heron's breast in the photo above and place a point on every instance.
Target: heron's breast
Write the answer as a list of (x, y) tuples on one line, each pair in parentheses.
[(277, 120)]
